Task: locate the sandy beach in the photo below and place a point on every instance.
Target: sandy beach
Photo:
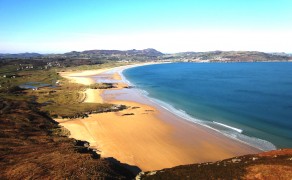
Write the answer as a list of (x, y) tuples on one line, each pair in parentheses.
[(145, 134)]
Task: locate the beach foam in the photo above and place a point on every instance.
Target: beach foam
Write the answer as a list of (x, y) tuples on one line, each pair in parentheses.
[(230, 127), (156, 139), (229, 131), (235, 133)]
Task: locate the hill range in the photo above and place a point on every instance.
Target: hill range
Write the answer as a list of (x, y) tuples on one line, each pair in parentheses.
[(154, 55)]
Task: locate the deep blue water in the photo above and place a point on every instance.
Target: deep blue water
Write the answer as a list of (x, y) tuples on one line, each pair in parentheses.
[(253, 97)]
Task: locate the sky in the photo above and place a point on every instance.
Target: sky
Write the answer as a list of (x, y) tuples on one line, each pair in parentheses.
[(58, 26)]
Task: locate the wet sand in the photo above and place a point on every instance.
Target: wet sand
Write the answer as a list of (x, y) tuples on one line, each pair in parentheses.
[(145, 134)]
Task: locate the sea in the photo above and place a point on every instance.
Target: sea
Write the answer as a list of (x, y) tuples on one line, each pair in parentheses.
[(249, 102)]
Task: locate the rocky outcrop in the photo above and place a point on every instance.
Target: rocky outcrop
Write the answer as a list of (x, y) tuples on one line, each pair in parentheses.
[(113, 108)]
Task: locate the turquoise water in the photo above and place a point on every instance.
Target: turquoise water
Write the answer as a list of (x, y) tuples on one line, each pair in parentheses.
[(251, 102)]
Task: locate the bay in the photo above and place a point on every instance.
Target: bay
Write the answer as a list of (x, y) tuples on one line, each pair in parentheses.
[(251, 102)]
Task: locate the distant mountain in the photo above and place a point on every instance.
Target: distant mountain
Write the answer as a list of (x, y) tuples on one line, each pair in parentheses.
[(21, 55), (114, 53), (99, 54), (232, 56), (146, 52), (279, 53), (152, 54)]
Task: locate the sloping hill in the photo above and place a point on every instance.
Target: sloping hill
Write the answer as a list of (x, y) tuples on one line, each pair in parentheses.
[(115, 53), (233, 56), (33, 146), (268, 165), (21, 55)]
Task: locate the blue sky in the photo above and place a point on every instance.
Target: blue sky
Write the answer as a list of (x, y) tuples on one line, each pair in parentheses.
[(53, 26)]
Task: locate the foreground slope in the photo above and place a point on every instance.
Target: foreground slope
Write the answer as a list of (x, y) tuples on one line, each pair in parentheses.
[(32, 146), (268, 165)]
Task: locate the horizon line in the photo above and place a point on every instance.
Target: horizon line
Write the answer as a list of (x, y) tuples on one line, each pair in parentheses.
[(63, 52)]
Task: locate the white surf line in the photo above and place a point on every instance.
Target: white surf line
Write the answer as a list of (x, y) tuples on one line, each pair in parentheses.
[(230, 127), (182, 114)]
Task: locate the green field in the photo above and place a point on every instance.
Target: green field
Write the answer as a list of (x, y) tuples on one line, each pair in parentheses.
[(61, 99)]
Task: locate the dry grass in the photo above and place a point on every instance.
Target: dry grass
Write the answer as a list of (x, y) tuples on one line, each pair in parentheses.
[(276, 165), (32, 146)]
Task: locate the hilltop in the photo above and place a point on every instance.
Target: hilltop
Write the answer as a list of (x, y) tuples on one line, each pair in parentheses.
[(97, 56), (115, 55), (21, 55), (231, 56)]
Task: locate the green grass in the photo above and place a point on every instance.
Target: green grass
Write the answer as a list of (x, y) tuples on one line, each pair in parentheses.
[(64, 100), (44, 76), (8, 70), (98, 66), (67, 93), (75, 110), (101, 86)]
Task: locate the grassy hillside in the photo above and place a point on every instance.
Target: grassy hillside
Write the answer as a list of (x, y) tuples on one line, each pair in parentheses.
[(269, 165), (33, 146)]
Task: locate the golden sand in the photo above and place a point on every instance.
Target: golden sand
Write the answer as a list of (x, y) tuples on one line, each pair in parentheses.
[(150, 137), (93, 96), (81, 77)]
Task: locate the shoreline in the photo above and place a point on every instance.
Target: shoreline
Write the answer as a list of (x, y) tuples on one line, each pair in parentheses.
[(169, 140), (186, 117), (236, 135)]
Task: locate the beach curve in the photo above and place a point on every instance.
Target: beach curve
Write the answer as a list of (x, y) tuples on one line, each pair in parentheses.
[(145, 135)]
